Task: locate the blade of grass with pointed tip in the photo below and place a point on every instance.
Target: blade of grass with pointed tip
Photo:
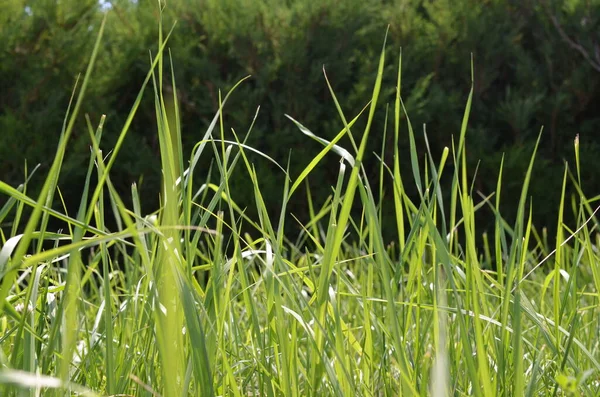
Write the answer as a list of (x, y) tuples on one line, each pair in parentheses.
[(397, 178), (558, 256), (414, 157), (333, 251), (329, 146), (8, 279), (125, 128), (511, 269)]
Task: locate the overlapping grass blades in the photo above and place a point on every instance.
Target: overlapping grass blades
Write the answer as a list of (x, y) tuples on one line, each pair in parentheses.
[(199, 299)]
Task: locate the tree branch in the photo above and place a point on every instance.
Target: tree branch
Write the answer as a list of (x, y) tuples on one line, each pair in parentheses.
[(595, 63)]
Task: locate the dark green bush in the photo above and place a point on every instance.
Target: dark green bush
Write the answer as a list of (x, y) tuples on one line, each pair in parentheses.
[(535, 64)]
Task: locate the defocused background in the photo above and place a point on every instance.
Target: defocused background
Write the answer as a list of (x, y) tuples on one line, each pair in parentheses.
[(536, 63)]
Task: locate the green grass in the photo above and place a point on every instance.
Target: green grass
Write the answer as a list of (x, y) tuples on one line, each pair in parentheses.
[(182, 302)]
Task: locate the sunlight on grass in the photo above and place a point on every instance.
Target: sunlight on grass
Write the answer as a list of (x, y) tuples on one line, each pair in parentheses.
[(185, 301)]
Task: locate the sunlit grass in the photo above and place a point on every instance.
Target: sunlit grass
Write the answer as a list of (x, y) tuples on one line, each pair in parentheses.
[(182, 302)]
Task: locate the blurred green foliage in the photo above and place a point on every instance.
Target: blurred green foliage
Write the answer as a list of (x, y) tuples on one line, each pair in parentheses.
[(536, 63)]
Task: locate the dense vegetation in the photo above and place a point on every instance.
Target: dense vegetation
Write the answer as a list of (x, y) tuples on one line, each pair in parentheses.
[(527, 76), (190, 283)]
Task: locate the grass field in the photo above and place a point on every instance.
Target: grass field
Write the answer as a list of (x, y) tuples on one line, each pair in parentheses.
[(181, 302)]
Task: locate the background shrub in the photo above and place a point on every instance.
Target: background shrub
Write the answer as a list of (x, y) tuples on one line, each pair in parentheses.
[(536, 63)]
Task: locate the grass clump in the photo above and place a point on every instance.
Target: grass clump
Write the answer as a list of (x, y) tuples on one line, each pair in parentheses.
[(182, 302)]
